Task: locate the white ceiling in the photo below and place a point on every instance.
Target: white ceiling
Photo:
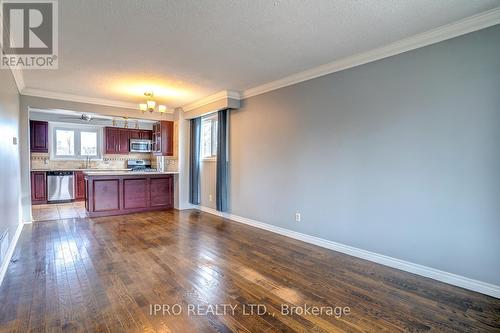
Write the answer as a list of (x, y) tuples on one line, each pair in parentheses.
[(113, 49)]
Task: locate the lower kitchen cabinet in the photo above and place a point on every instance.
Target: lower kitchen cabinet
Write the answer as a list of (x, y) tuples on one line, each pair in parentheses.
[(161, 190), (38, 187), (118, 194), (79, 185)]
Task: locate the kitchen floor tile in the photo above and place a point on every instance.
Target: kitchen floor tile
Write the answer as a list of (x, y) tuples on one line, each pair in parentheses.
[(59, 211)]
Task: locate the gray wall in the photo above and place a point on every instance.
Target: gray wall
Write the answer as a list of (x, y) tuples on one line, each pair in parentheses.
[(9, 154), (400, 156), (208, 171)]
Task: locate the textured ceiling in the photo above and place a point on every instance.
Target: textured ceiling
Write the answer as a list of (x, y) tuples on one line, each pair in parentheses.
[(189, 49)]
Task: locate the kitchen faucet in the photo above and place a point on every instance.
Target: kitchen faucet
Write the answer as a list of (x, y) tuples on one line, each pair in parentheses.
[(87, 162)]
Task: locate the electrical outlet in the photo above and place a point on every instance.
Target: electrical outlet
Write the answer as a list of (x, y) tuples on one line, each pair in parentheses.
[(297, 217), (209, 197)]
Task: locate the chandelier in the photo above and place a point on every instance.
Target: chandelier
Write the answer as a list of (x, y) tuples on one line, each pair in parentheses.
[(150, 104)]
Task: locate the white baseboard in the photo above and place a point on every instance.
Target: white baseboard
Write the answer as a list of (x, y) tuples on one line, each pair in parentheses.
[(10, 252), (453, 279)]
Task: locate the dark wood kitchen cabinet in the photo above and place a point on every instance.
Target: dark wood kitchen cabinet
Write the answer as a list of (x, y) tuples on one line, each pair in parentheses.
[(134, 134), (123, 141), (125, 194), (79, 185), (163, 138), (38, 187), (162, 192), (140, 134), (116, 140), (111, 139), (146, 135), (39, 136)]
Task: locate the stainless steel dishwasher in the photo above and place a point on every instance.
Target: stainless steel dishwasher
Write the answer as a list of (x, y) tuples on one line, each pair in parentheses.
[(60, 186)]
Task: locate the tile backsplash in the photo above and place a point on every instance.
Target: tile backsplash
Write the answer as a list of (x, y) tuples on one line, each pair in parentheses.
[(42, 161), (169, 163)]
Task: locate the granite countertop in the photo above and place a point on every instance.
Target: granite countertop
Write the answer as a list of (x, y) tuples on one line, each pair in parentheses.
[(128, 173)]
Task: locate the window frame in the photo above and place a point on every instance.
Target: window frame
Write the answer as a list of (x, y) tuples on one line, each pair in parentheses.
[(213, 139), (77, 129)]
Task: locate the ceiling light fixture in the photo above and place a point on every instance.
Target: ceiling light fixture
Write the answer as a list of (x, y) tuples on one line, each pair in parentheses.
[(150, 104)]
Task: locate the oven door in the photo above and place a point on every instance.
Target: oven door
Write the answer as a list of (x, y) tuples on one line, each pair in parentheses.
[(140, 146)]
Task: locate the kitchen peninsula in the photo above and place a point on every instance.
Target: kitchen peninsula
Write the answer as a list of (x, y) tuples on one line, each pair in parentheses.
[(123, 192)]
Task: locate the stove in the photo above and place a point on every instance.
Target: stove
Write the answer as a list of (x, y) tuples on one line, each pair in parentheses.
[(140, 166), (144, 170)]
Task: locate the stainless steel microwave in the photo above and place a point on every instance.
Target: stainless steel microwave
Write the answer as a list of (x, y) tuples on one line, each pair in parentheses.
[(140, 146)]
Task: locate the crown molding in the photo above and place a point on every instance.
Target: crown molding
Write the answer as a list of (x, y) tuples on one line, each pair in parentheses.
[(224, 94), (461, 27), (77, 98), (458, 28)]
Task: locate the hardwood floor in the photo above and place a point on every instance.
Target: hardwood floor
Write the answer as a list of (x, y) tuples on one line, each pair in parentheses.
[(103, 275)]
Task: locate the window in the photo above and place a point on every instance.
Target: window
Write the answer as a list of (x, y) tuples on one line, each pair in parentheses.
[(88, 143), (75, 142), (65, 142), (209, 137)]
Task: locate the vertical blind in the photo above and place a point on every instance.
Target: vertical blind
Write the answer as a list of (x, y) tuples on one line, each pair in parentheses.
[(222, 162), (194, 161)]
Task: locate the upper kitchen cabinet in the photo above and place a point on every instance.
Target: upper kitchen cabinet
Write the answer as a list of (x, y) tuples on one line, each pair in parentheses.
[(163, 138), (135, 134), (39, 136), (123, 141), (116, 140), (140, 134), (145, 135), (111, 140)]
